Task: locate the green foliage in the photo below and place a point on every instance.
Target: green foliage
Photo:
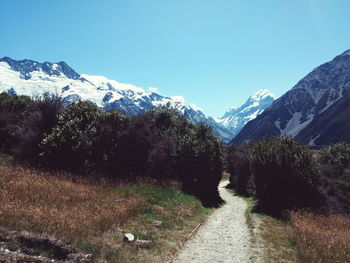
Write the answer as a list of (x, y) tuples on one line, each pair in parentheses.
[(41, 116), (12, 109), (15, 104), (239, 169), (200, 163), (334, 163), (335, 154), (83, 138), (285, 174), (71, 142)]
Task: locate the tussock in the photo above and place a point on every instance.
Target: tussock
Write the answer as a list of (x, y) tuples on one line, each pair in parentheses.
[(322, 239), (38, 202)]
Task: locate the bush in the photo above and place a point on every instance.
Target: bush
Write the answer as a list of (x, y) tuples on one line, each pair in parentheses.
[(239, 169), (199, 164), (12, 110), (71, 143), (335, 155), (88, 140), (40, 117), (334, 162), (285, 174)]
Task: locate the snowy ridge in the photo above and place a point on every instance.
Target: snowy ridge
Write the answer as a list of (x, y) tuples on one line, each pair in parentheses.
[(236, 118), (27, 77), (315, 111)]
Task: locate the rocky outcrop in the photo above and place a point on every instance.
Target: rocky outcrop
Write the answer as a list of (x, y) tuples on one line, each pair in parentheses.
[(28, 247)]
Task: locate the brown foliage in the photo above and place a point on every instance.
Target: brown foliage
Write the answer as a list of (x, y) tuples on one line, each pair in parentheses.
[(38, 202), (323, 239)]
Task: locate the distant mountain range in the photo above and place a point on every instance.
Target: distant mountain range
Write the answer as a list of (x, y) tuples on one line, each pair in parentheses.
[(28, 77), (235, 118), (316, 111)]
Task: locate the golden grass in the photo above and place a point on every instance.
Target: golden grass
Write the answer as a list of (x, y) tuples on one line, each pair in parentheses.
[(322, 239), (94, 216), (39, 202), (276, 238)]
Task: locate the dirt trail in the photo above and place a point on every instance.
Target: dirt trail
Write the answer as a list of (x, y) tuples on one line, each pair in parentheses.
[(225, 237)]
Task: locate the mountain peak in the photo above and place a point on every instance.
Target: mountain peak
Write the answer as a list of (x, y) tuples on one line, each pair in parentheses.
[(28, 77), (315, 111), (262, 94), (26, 67), (235, 118)]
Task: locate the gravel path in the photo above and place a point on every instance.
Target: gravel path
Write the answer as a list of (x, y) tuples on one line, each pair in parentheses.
[(224, 237)]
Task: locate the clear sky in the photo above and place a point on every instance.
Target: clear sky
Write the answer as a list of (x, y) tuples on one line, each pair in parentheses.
[(215, 53)]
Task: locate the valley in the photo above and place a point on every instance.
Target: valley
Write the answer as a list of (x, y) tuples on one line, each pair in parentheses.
[(88, 163)]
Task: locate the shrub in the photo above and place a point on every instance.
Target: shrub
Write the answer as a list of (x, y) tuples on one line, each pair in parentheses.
[(239, 169), (12, 110), (334, 162), (40, 117), (335, 155), (199, 161), (86, 139), (71, 143), (285, 174)]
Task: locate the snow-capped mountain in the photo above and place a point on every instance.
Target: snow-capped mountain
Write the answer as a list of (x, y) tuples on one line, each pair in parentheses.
[(27, 77), (316, 111), (235, 118)]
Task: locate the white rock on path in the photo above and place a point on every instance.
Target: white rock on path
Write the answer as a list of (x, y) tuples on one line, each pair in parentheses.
[(225, 237)]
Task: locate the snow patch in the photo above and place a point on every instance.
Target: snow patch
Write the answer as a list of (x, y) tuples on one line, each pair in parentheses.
[(278, 125), (312, 141), (54, 66), (152, 90), (178, 99), (195, 107), (294, 126)]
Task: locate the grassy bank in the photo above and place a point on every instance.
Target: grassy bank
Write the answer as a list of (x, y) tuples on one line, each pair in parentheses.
[(94, 216)]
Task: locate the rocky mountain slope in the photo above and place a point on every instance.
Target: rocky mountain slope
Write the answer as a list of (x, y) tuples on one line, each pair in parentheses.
[(235, 118), (316, 111), (27, 77)]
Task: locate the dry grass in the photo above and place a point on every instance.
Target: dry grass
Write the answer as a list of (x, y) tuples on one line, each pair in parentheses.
[(322, 239), (38, 202), (276, 240), (93, 216)]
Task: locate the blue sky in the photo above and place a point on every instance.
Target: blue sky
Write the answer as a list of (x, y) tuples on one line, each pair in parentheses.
[(214, 53)]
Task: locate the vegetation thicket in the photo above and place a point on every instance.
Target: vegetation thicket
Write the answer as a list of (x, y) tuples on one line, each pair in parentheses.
[(334, 162), (287, 178), (284, 173), (280, 173), (87, 140)]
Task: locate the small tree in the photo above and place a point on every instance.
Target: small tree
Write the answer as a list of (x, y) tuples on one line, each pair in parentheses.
[(200, 164), (285, 174), (71, 143)]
